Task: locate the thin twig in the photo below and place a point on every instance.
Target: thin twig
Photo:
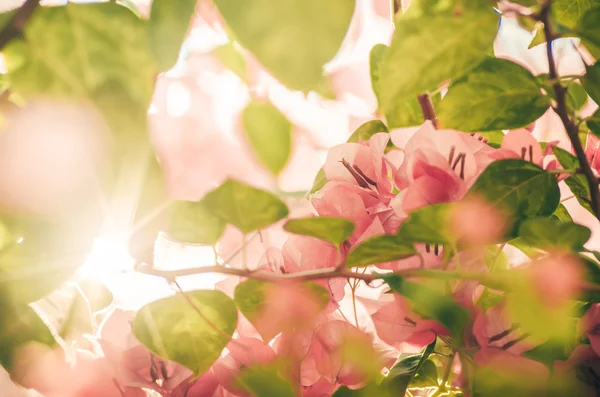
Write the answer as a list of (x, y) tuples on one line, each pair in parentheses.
[(14, 28), (427, 109), (561, 109)]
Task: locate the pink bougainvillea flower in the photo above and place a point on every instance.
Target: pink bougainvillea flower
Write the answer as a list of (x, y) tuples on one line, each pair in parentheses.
[(521, 144), (475, 222), (557, 278), (592, 151)]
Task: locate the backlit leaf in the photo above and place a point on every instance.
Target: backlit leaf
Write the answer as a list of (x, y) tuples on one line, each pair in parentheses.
[(192, 222), (333, 230), (380, 249)]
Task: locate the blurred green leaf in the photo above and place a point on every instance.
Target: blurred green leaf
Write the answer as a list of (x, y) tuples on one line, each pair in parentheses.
[(551, 234), (269, 133), (232, 59), (245, 207), (265, 381), (169, 23), (193, 223), (591, 81), (405, 370), (193, 336), (431, 48), (520, 188), (380, 249), (375, 59), (292, 39), (319, 182), (577, 183), (427, 225), (367, 130), (431, 304), (562, 214), (588, 30), (333, 230), (497, 95)]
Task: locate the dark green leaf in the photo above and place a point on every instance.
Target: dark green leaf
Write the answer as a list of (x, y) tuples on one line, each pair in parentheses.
[(193, 336), (432, 304), (333, 230), (576, 96), (497, 95), (594, 123), (577, 183), (265, 381), (292, 39), (432, 48), (245, 207), (375, 60), (427, 225), (405, 370), (548, 352), (192, 222), (520, 188), (380, 249), (19, 325), (588, 29), (562, 214), (169, 23), (269, 134), (591, 81), (427, 376), (548, 234)]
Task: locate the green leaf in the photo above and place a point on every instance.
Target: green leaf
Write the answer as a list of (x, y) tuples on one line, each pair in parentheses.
[(405, 112), (169, 23), (427, 225), (588, 30), (375, 59), (232, 59), (577, 183), (594, 123), (191, 336), (370, 390), (265, 381), (519, 188), (562, 214), (269, 134), (292, 39), (245, 207), (19, 325), (431, 304), (591, 81), (254, 299), (367, 130), (569, 12), (497, 95), (380, 249), (192, 222), (576, 96), (319, 182), (333, 230), (430, 49), (404, 371), (547, 233)]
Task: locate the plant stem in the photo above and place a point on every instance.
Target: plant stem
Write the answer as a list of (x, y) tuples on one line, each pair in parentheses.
[(561, 109), (427, 109), (14, 28)]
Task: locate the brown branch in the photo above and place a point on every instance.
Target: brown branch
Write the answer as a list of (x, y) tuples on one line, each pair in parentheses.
[(14, 27), (562, 111), (427, 109)]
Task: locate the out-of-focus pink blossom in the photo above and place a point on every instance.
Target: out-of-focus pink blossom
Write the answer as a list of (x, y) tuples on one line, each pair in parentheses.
[(475, 222)]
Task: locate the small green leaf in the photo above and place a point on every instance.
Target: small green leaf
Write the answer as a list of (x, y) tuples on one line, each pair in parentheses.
[(576, 96), (427, 225), (292, 39), (520, 188), (562, 214), (431, 303), (375, 59), (367, 130), (245, 207), (546, 233), (193, 223), (497, 95), (333, 230), (269, 134), (232, 59), (191, 336), (404, 371), (431, 48), (169, 23), (319, 182), (18, 325), (405, 112), (265, 381), (591, 81), (594, 123), (577, 183), (380, 249)]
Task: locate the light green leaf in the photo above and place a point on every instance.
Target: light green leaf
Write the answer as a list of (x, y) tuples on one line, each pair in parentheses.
[(404, 371), (192, 222), (562, 214), (265, 381), (431, 49), (427, 225), (269, 134), (375, 59), (245, 207), (591, 81), (588, 29), (319, 182), (431, 303), (551, 234), (232, 59), (367, 130), (169, 23), (333, 230), (380, 249), (576, 96), (497, 95), (191, 336), (292, 39), (520, 188)]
